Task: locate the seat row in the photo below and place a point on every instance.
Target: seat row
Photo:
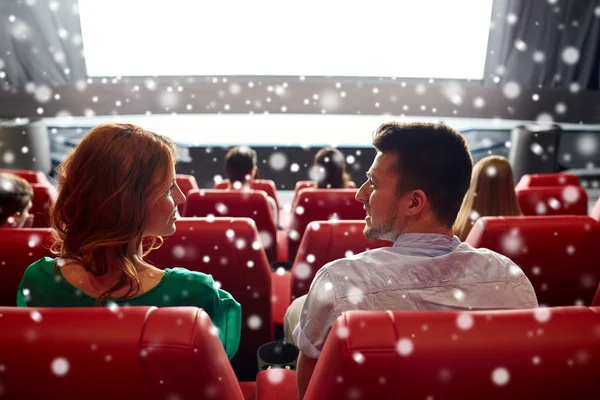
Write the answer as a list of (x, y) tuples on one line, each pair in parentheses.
[(173, 353), (557, 253)]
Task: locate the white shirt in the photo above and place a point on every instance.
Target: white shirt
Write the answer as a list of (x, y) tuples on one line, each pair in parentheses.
[(424, 272)]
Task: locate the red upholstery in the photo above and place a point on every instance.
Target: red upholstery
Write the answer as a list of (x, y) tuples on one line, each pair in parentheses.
[(18, 249), (596, 211), (267, 185), (325, 241), (280, 294), (29, 176), (522, 354), (311, 184), (43, 198), (558, 254), (596, 301), (320, 205), (129, 353), (557, 179), (251, 204), (276, 384), (225, 248), (185, 183), (553, 200)]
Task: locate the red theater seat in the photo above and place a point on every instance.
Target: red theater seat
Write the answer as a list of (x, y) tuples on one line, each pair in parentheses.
[(325, 241), (558, 254), (30, 176), (320, 205), (557, 179), (43, 199), (555, 200), (251, 204), (19, 248), (185, 183), (523, 354), (227, 249), (266, 185), (99, 353), (311, 184)]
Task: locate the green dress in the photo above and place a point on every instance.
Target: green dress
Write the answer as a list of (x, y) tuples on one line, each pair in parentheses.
[(42, 287)]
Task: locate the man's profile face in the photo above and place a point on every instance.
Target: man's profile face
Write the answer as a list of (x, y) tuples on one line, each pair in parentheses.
[(380, 198)]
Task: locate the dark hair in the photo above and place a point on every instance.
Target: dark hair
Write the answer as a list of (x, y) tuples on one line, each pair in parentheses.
[(15, 195), (239, 163), (433, 158), (333, 174)]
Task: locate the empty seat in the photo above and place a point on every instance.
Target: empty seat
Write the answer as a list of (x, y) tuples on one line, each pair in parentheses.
[(227, 248), (30, 176), (522, 354), (557, 179), (267, 185), (243, 204), (43, 199), (130, 352), (320, 205), (552, 200), (558, 254), (325, 241), (185, 183), (19, 248)]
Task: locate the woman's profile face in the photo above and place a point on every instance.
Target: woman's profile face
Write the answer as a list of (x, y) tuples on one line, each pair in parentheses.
[(163, 213)]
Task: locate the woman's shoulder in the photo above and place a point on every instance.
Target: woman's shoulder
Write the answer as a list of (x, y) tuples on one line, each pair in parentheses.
[(42, 267), (183, 276)]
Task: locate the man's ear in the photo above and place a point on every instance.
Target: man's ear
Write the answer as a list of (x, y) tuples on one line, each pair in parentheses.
[(418, 202)]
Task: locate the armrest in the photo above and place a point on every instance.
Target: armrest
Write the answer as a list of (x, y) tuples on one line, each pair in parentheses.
[(275, 384), (280, 294), (282, 246)]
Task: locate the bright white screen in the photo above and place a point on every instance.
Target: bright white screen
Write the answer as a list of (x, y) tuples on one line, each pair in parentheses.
[(381, 38)]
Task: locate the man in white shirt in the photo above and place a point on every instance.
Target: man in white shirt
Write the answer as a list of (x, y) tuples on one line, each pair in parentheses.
[(413, 193)]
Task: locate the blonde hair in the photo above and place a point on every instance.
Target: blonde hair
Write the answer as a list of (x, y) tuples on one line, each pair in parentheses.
[(492, 193), (107, 186)]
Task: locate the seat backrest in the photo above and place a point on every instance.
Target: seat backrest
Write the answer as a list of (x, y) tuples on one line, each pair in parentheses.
[(320, 205), (552, 200), (266, 185), (242, 204), (325, 241), (43, 198), (185, 183), (556, 179), (229, 250), (311, 184), (129, 352), (596, 210), (559, 254), (516, 354), (30, 176), (19, 248)]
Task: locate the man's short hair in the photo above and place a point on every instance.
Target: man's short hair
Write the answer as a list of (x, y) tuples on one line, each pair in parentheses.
[(433, 158), (239, 163), (15, 195)]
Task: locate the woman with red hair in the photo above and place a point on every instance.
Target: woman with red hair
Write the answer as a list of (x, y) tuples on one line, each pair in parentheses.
[(117, 188)]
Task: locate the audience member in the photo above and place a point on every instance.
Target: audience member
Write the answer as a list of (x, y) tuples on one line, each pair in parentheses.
[(330, 169), (117, 188), (492, 193), (240, 165), (16, 197), (412, 195)]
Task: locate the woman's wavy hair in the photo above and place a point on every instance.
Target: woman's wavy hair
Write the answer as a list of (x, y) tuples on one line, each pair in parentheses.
[(107, 186), (332, 169), (491, 194)]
